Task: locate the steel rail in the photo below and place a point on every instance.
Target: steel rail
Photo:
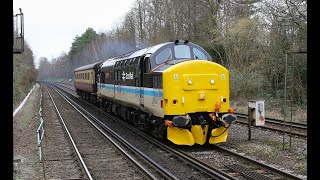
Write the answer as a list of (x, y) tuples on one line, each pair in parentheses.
[(265, 166), (276, 129), (214, 172), (71, 139), (85, 114), (278, 121)]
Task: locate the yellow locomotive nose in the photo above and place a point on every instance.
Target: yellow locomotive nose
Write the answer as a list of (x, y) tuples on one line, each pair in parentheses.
[(196, 86), (191, 87)]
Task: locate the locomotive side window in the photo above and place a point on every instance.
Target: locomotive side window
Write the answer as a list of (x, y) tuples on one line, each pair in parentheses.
[(199, 54), (164, 55), (182, 52)]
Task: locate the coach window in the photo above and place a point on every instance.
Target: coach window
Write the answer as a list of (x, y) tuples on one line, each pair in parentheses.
[(182, 52), (164, 56), (199, 54)]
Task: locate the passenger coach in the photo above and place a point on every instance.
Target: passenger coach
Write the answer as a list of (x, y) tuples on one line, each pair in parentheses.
[(85, 80)]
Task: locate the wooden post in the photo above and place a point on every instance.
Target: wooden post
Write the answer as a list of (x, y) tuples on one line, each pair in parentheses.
[(249, 122)]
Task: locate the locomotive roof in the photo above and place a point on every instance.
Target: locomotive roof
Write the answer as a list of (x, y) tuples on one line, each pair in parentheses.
[(140, 52), (148, 50), (89, 66), (153, 50)]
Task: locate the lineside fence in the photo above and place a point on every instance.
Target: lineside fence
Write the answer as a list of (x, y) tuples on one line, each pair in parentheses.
[(40, 129)]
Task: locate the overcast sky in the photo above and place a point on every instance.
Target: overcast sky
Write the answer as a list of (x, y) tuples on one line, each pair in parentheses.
[(51, 25)]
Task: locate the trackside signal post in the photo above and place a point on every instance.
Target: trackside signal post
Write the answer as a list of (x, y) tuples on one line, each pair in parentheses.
[(256, 114), (18, 33)]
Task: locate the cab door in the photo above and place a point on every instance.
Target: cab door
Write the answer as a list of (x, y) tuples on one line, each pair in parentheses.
[(145, 67), (101, 78)]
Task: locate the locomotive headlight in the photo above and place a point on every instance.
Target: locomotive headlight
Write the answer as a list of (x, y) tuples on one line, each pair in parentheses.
[(212, 81), (181, 121), (189, 81)]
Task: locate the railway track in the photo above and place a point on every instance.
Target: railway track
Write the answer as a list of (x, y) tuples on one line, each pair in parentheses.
[(100, 156), (238, 165), (256, 170), (180, 169), (278, 122), (295, 129), (54, 136)]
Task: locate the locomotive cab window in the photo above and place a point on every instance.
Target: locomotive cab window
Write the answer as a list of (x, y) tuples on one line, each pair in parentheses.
[(199, 54), (164, 56), (182, 52)]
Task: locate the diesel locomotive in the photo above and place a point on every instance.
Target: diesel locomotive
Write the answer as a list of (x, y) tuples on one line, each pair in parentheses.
[(173, 90)]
